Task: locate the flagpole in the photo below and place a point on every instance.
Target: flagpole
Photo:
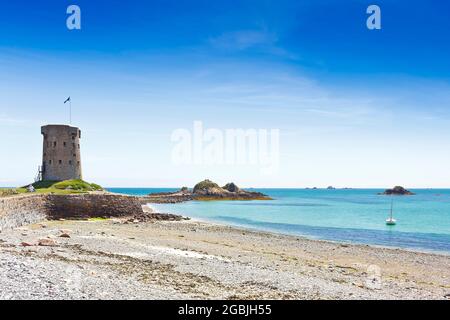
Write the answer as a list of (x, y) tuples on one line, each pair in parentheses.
[(70, 109)]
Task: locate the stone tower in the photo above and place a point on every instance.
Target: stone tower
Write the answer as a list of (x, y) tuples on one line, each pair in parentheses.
[(61, 159)]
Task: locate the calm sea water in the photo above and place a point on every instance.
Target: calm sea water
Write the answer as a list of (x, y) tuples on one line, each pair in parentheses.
[(351, 215)]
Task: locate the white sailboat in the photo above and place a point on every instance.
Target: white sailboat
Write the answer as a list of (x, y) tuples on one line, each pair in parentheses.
[(391, 221)]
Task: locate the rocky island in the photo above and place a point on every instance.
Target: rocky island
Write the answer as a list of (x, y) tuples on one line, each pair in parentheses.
[(205, 190), (397, 191)]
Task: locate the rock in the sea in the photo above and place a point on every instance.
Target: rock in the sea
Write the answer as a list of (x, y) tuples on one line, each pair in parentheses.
[(397, 191), (231, 187), (208, 190), (204, 191), (64, 235), (26, 244), (207, 187)]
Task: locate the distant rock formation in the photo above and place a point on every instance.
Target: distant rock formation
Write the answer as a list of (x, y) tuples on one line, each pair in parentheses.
[(397, 191), (184, 190), (231, 187), (204, 191), (207, 187), (331, 188), (182, 195)]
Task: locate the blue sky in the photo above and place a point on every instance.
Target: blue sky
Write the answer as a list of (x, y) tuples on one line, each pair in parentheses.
[(354, 107)]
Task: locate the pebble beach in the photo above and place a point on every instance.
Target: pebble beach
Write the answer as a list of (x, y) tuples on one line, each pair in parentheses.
[(122, 259)]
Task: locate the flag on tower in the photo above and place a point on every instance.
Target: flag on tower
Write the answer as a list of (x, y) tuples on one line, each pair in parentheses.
[(67, 100)]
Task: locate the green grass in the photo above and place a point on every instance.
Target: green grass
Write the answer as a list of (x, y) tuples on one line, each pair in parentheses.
[(77, 185), (44, 184), (55, 187), (98, 219)]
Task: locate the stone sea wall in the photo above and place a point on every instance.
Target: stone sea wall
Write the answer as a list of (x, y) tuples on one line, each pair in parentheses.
[(20, 210), (92, 205)]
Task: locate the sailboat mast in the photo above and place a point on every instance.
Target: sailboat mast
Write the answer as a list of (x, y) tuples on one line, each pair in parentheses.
[(392, 205)]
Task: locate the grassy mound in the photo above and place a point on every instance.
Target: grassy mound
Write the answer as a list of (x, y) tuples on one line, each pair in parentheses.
[(78, 185), (54, 187), (65, 187), (44, 184)]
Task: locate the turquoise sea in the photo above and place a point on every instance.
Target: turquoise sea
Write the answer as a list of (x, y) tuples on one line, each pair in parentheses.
[(344, 215)]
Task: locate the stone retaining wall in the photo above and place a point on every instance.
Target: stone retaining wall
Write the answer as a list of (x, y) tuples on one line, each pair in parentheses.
[(20, 210), (92, 205)]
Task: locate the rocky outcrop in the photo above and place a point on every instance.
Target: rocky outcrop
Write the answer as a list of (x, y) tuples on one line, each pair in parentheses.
[(204, 191), (207, 187), (208, 190), (148, 216), (397, 191), (183, 195), (231, 187)]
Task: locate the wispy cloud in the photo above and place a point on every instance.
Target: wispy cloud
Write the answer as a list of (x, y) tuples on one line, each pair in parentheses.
[(243, 39), (9, 121), (257, 39)]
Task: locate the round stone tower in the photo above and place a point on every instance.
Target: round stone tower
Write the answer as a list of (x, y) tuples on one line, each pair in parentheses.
[(61, 159)]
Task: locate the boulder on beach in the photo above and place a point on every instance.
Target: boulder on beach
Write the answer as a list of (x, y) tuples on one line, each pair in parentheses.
[(397, 191)]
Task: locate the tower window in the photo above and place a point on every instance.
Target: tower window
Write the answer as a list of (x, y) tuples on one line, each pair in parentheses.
[(64, 143), (70, 162), (49, 161), (60, 161), (54, 144)]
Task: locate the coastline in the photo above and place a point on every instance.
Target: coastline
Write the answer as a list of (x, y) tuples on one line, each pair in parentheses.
[(109, 259), (311, 238), (307, 237)]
